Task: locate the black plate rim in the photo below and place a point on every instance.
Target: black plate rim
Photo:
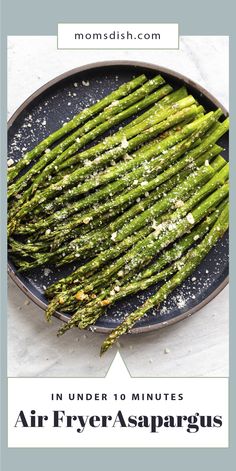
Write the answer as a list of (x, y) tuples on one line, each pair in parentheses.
[(153, 67)]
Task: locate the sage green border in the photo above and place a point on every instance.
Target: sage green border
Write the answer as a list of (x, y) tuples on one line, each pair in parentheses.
[(32, 17)]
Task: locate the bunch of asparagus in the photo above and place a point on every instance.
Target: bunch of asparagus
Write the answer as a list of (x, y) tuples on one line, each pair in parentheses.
[(142, 206)]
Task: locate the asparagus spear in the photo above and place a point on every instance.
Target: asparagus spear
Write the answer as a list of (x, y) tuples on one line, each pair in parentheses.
[(123, 90), (182, 190), (176, 197), (178, 194), (154, 150), (114, 154), (89, 315), (95, 127), (86, 243), (157, 108), (89, 240), (69, 165), (69, 180), (113, 173), (157, 165), (219, 178), (217, 163), (110, 190), (118, 137), (164, 102), (196, 255), (134, 142), (85, 320), (144, 250), (109, 208), (184, 243), (71, 277), (82, 246), (91, 167), (62, 214), (146, 152), (180, 170), (114, 251), (168, 255)]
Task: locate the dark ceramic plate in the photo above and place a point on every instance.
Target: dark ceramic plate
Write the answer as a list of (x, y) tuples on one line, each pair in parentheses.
[(59, 100)]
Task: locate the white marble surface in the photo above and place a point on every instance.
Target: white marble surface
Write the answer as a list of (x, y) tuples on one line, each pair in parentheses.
[(197, 346)]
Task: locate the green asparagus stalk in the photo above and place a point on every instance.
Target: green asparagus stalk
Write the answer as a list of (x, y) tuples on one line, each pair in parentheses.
[(122, 91), (132, 144), (218, 179), (120, 169), (155, 150), (91, 167), (101, 123), (27, 249), (117, 138), (114, 251), (195, 257), (112, 208), (89, 241), (164, 102), (67, 300), (158, 165), (77, 273), (71, 179), (89, 315), (180, 170), (81, 247), (121, 151), (182, 245), (85, 320), (111, 189), (144, 250), (182, 190), (101, 259), (176, 196), (157, 108), (114, 187), (147, 201)]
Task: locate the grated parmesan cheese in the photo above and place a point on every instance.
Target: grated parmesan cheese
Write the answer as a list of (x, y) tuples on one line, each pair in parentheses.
[(113, 236), (179, 204), (124, 143), (87, 220), (190, 218)]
